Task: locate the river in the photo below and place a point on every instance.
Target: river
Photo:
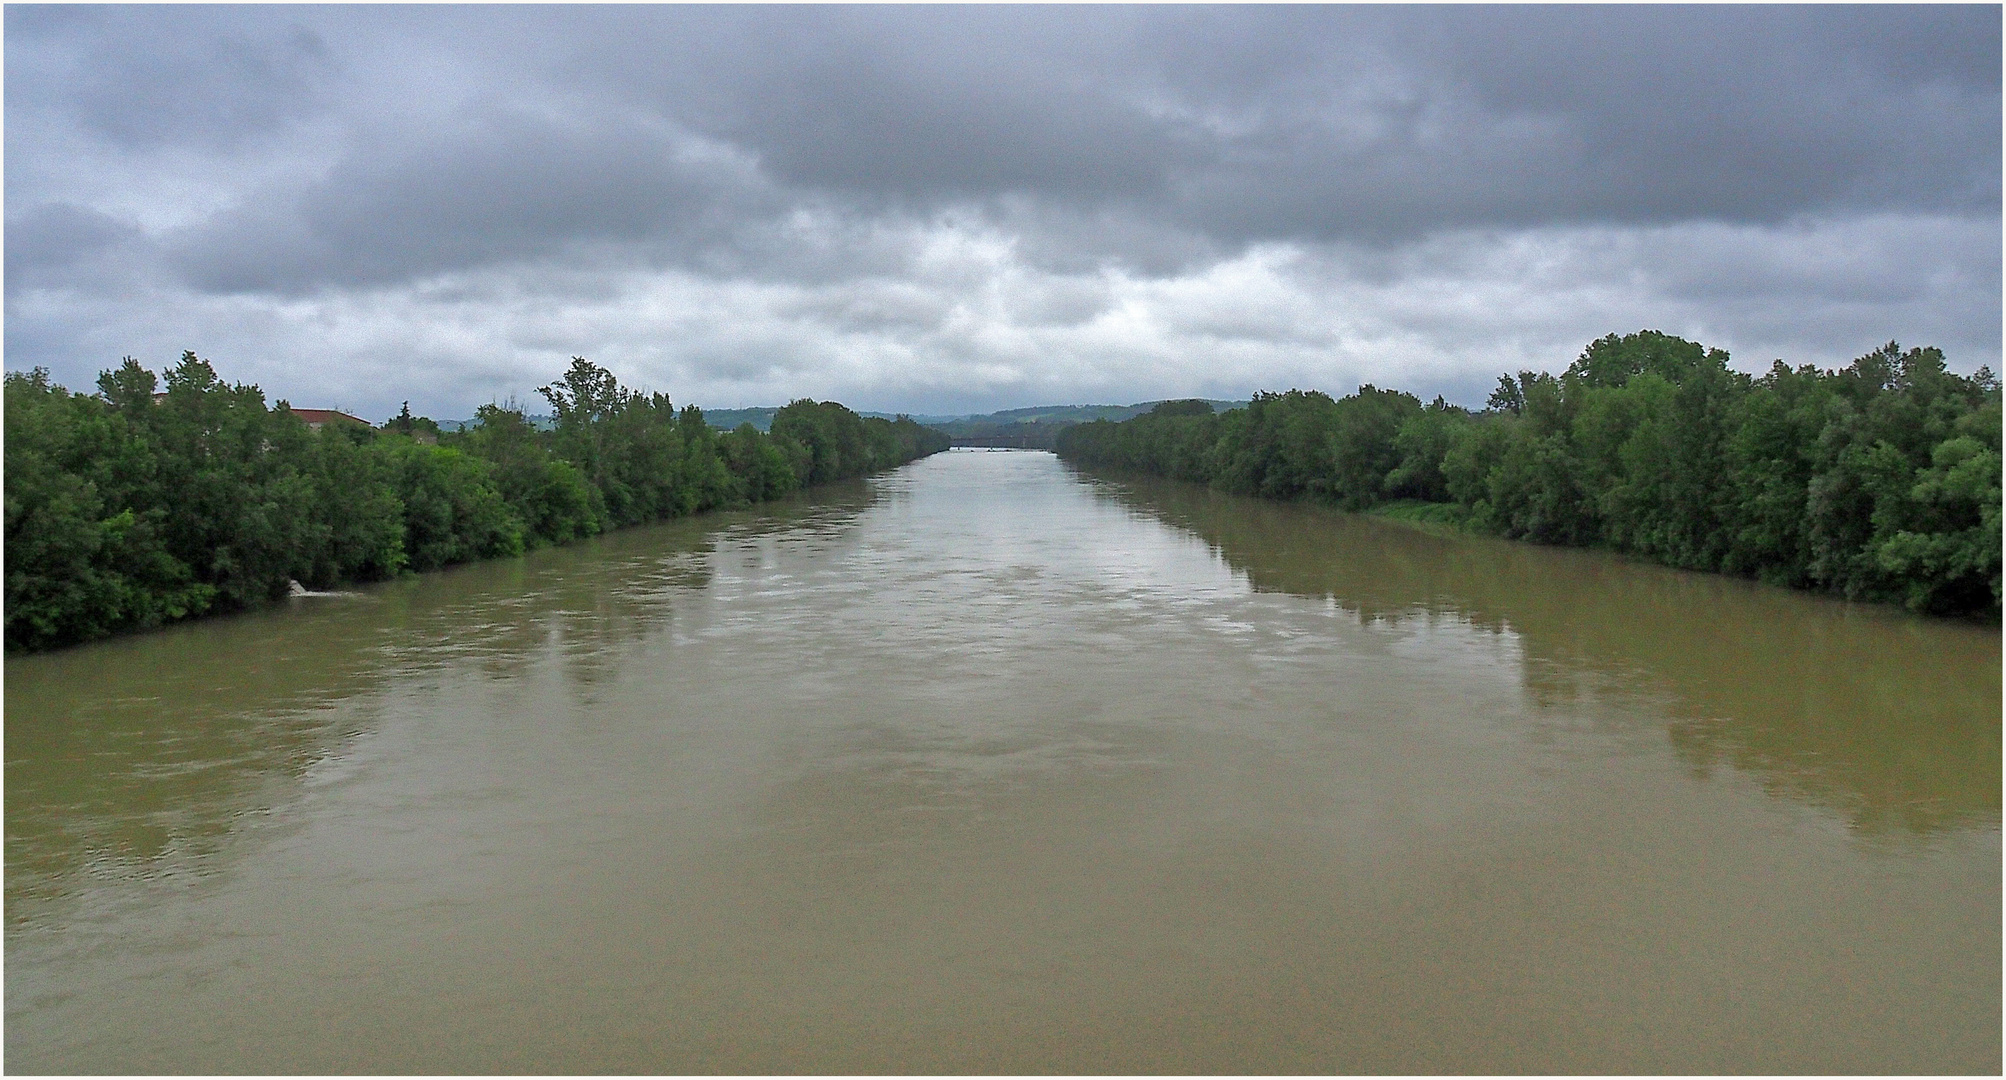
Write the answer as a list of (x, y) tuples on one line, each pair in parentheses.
[(988, 765)]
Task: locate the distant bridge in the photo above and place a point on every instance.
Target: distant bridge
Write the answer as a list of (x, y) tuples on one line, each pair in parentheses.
[(1030, 441)]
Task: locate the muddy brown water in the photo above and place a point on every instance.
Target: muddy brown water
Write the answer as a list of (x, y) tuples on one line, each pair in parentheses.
[(989, 765)]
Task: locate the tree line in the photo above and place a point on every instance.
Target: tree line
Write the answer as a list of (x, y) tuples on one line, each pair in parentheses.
[(131, 507), (1877, 481)]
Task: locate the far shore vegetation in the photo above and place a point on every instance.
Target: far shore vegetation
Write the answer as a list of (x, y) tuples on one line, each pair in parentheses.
[(155, 500), (133, 507), (1878, 481)]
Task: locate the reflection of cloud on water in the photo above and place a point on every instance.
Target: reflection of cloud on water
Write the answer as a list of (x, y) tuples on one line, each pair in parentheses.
[(1009, 641), (1888, 720)]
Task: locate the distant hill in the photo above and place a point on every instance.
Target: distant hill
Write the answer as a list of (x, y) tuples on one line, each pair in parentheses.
[(1038, 428), (729, 419), (1033, 428), (540, 423), (761, 417)]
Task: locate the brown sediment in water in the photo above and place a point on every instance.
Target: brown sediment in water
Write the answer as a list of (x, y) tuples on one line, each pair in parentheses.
[(991, 766)]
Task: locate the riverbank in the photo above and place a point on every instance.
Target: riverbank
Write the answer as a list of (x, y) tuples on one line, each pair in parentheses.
[(1879, 481), (129, 509), (986, 768), (1446, 516)]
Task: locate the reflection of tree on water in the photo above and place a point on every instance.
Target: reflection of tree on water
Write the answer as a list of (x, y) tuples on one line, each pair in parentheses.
[(597, 611), (136, 757), (1891, 721)]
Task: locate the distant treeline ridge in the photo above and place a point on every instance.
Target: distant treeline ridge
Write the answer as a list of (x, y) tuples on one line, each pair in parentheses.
[(1038, 428), (128, 509), (1878, 481)]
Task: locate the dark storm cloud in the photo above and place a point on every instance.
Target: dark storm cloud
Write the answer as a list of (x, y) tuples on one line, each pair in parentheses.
[(1745, 114), (937, 104), (988, 206), (1228, 125), (53, 236), (144, 78), (1327, 123), (490, 183)]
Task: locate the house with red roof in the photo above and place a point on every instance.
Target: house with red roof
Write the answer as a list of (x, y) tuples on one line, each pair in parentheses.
[(315, 418), (319, 418)]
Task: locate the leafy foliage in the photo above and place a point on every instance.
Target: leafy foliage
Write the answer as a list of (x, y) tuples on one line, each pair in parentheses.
[(1878, 481), (134, 507)]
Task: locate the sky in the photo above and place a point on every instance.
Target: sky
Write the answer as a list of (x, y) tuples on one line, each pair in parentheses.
[(961, 209)]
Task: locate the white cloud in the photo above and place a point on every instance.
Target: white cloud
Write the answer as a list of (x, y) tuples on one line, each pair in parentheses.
[(953, 209), (957, 320)]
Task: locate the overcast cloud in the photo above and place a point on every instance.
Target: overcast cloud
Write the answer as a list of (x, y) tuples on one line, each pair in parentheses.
[(961, 209)]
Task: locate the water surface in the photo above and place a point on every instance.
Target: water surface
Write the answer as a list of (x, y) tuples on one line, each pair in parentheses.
[(987, 765)]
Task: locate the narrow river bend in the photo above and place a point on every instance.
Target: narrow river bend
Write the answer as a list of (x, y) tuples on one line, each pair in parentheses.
[(986, 765)]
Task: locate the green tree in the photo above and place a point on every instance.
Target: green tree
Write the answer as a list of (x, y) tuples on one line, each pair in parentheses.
[(1877, 481), (452, 513), (552, 497)]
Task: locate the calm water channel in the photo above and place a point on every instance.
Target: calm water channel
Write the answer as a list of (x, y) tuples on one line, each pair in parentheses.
[(987, 765)]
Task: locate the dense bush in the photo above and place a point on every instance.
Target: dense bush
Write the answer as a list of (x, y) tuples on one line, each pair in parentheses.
[(1877, 481), (841, 444), (131, 508)]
